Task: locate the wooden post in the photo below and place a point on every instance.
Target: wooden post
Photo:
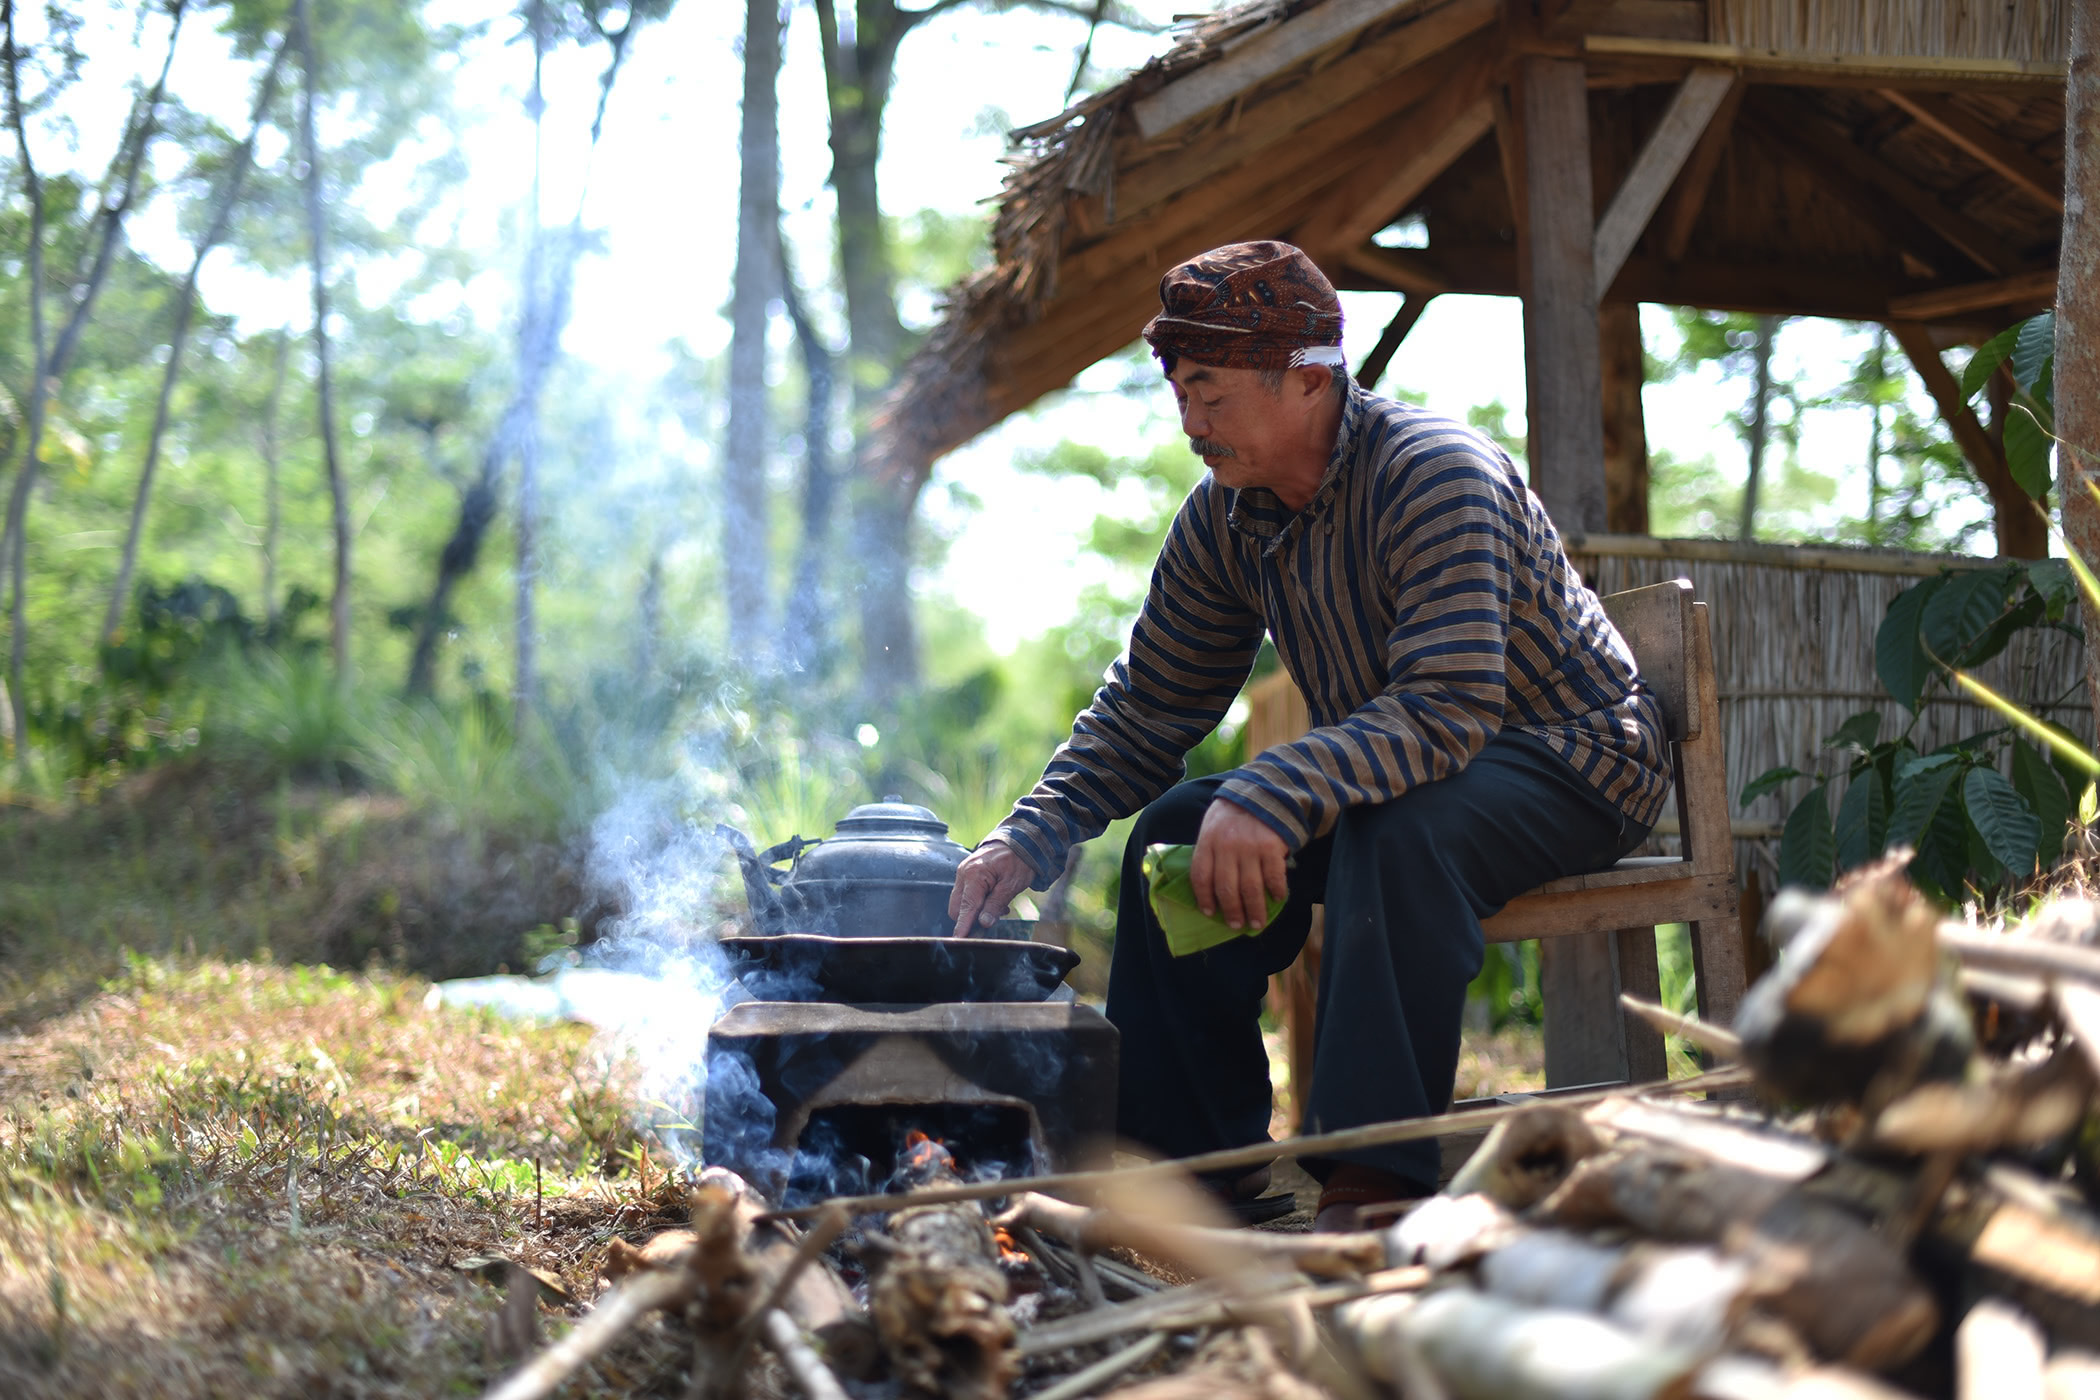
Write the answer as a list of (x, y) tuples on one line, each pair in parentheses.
[(1562, 377), (1625, 425), (2022, 533), (2078, 309)]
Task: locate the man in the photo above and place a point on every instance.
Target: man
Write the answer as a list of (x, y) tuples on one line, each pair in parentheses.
[(1479, 729)]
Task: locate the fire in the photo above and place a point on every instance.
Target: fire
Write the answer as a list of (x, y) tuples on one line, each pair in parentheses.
[(924, 1155), (1010, 1251)]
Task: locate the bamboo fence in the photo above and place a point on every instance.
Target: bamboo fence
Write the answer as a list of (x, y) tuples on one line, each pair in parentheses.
[(1793, 630)]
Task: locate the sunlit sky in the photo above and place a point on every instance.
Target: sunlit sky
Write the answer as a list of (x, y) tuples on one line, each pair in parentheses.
[(664, 190)]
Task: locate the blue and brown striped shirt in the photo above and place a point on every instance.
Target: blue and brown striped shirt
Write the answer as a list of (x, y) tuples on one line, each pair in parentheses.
[(1421, 601)]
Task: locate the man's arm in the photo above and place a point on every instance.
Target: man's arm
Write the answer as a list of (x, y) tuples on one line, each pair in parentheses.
[(1454, 542), (1190, 651)]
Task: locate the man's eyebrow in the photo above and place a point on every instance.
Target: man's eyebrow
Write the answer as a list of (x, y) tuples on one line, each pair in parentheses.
[(1200, 376)]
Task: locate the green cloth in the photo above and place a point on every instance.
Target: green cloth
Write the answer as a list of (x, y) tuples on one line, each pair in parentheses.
[(1188, 929)]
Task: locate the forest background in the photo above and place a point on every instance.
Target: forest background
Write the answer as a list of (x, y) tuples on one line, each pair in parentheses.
[(441, 507)]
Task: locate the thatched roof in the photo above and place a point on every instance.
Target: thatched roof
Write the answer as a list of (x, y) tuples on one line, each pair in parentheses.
[(1875, 159)]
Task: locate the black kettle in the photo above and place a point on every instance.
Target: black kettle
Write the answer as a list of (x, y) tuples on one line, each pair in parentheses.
[(885, 873)]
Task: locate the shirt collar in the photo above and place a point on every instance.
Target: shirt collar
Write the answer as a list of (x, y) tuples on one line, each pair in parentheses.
[(1258, 513)]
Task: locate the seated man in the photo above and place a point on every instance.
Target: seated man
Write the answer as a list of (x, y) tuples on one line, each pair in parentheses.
[(1479, 730)]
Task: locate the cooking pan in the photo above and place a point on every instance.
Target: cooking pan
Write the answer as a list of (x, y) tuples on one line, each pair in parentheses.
[(814, 967)]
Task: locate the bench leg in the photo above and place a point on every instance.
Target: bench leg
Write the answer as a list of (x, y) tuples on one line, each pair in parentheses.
[(1639, 976), (1585, 1043)]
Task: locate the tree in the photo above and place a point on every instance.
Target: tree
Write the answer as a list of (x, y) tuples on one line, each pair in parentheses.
[(178, 339), (48, 363), (2077, 379), (757, 278)]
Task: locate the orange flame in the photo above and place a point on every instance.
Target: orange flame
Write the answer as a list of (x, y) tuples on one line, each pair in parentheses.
[(1010, 1251)]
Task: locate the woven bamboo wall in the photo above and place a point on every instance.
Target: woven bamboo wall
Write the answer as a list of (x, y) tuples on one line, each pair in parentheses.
[(1794, 654), (2021, 30)]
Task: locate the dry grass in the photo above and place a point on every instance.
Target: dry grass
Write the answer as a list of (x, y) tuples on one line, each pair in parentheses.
[(258, 1181)]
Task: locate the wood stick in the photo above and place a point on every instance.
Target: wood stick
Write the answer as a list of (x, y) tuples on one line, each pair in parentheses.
[(1328, 1255), (1082, 1381), (1998, 1354), (1715, 1041), (618, 1313), (1212, 1302), (2032, 956), (1261, 1153), (2079, 1009), (830, 1225), (802, 1363)]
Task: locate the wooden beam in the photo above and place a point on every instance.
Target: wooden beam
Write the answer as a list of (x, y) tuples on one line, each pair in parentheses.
[(1563, 389), (2038, 285), (2022, 533), (1389, 340), (1683, 123), (1262, 56), (2020, 167), (1399, 273), (1625, 424), (1698, 176), (1807, 69), (1353, 93), (1448, 126)]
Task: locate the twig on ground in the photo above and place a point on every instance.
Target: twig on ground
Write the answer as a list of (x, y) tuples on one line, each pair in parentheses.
[(1331, 1255), (1086, 1379), (828, 1227), (619, 1312), (802, 1363)]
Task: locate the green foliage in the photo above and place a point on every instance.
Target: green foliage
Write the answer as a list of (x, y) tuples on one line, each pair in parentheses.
[(1973, 829)]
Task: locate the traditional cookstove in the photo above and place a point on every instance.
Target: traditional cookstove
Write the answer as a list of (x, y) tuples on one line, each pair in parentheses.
[(877, 1024)]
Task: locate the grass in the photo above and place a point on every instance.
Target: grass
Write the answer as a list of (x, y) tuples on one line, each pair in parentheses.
[(276, 1181)]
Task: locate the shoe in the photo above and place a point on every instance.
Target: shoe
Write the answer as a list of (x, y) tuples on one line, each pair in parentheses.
[(1242, 1198), (1352, 1191)]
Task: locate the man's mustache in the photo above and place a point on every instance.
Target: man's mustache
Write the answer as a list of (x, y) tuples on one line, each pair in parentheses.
[(1210, 447)]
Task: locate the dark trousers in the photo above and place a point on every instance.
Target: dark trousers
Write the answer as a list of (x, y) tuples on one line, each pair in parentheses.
[(1406, 884)]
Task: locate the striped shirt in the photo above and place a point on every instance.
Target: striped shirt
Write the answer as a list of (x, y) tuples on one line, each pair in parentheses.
[(1421, 601)]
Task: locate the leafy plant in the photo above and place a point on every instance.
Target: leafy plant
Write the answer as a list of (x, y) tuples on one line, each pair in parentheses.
[(2028, 352), (1972, 826)]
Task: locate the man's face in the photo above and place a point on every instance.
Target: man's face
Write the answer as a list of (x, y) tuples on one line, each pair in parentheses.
[(1240, 428)]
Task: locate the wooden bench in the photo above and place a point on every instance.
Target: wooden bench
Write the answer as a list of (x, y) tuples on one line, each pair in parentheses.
[(1597, 932)]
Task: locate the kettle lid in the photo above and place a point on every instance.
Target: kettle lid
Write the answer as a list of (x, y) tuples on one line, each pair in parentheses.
[(892, 817)]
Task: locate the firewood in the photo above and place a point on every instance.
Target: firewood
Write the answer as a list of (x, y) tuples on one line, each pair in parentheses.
[(813, 1377), (1445, 1231), (1197, 1248), (2028, 1249), (1998, 1354), (2072, 1375), (1661, 1192), (939, 1305), (1679, 1295), (2028, 1105), (1523, 1158), (1716, 1041), (1721, 1135), (1088, 1379), (1482, 1346), (1844, 1288), (617, 1313), (1749, 1378)]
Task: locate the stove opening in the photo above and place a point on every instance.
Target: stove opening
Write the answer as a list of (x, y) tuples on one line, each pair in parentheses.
[(858, 1149)]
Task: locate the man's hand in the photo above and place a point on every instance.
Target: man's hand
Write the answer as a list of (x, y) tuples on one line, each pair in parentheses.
[(1239, 862), (985, 885)]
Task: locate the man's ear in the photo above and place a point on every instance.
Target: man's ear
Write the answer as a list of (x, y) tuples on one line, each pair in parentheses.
[(1315, 381)]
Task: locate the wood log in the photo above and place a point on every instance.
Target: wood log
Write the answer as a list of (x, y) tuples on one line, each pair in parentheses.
[(1663, 1193), (1524, 1158), (1754, 1378), (1446, 1231), (1482, 1346), (2024, 1245), (1684, 1296), (1998, 1354), (2024, 1107), (1844, 1288), (2072, 1375), (939, 1305)]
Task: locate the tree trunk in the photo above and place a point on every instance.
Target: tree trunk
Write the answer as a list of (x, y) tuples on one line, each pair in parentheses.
[(338, 491), (178, 340), (803, 636), (1760, 425), (859, 68), (47, 369), (273, 505), (525, 670), (744, 541), (1877, 370), (2077, 373)]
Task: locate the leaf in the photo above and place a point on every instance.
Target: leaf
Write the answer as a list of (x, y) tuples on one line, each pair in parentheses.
[(1767, 781), (1807, 845), (2027, 450), (1920, 791), (2008, 826), (1991, 355), (2037, 782), (1858, 732), (1958, 616), (2052, 582), (2089, 805), (2033, 349), (1862, 820), (1943, 859), (1898, 659)]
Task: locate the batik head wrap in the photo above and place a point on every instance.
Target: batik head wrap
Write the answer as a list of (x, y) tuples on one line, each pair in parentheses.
[(1258, 305)]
